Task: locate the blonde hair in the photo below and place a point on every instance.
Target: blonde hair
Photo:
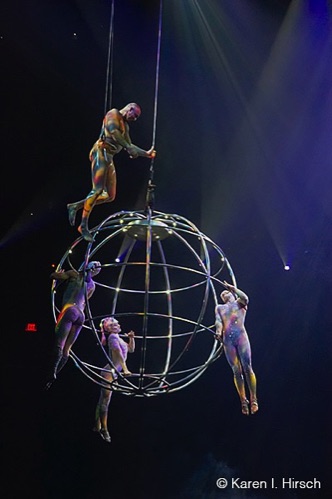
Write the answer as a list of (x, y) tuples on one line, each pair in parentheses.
[(108, 319), (105, 334)]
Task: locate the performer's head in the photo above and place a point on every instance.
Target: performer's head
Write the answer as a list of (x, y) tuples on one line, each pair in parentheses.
[(110, 325), (226, 296), (131, 112), (95, 267)]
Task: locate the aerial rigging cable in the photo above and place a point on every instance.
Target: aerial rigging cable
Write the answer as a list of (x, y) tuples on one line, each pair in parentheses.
[(109, 67), (150, 189), (109, 92)]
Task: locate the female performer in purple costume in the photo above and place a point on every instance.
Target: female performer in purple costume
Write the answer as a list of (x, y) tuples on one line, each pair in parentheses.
[(230, 329), (117, 351), (114, 137)]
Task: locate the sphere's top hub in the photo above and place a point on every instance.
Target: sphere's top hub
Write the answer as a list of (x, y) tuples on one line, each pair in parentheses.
[(138, 229)]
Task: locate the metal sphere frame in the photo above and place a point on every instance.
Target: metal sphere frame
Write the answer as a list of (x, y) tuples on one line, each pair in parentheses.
[(144, 270)]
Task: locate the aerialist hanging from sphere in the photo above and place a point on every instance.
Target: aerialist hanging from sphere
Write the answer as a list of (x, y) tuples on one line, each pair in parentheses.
[(230, 329), (117, 351), (114, 137), (71, 318)]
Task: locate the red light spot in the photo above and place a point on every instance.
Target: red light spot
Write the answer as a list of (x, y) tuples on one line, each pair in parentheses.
[(31, 327)]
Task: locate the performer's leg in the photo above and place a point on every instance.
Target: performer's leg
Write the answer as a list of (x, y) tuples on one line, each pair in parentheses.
[(99, 168), (103, 177), (245, 357), (62, 330), (101, 414), (233, 360), (77, 321), (104, 408), (68, 326), (110, 184), (56, 358), (88, 207), (73, 209)]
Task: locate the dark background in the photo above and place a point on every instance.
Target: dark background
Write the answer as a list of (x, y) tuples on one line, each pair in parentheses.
[(244, 151)]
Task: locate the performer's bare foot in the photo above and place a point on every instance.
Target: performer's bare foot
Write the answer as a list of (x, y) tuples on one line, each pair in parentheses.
[(245, 407), (85, 233), (105, 435), (71, 214), (253, 406)]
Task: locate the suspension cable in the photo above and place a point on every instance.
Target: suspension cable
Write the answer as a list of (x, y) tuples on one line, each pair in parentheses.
[(109, 69), (109, 89), (150, 189), (157, 77)]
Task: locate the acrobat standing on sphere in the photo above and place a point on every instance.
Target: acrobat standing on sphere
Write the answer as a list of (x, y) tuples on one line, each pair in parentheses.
[(230, 329), (114, 137), (71, 318), (117, 351)]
